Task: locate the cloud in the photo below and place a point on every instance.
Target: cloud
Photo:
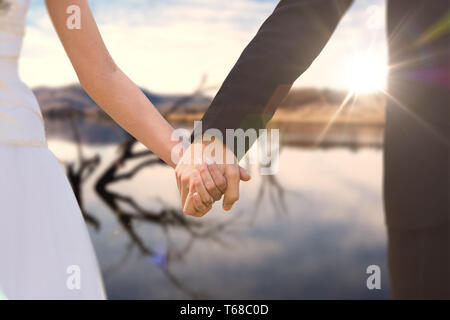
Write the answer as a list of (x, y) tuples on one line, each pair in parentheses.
[(167, 46), (361, 31)]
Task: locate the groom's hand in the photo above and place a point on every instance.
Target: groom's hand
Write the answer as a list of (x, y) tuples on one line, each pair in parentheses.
[(193, 203), (233, 174)]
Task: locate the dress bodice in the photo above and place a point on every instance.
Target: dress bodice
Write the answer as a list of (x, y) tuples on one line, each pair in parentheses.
[(21, 121), (12, 26)]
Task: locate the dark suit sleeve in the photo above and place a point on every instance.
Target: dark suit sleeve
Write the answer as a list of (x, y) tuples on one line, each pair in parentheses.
[(284, 47)]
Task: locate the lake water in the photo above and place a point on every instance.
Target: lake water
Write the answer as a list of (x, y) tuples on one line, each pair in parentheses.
[(310, 231)]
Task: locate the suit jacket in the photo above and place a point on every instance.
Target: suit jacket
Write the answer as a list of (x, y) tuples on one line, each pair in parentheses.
[(284, 47)]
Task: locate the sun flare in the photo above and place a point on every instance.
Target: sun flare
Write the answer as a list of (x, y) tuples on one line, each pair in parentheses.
[(366, 74)]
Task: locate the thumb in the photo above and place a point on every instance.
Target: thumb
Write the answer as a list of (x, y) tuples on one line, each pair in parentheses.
[(244, 175)]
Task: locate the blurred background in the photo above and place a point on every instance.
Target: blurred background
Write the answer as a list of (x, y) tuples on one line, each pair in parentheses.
[(309, 231)]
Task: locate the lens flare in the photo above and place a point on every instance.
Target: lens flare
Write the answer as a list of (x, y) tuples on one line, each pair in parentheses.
[(365, 73)]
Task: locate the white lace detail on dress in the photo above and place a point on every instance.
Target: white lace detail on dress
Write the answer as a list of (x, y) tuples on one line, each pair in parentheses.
[(12, 19), (21, 119)]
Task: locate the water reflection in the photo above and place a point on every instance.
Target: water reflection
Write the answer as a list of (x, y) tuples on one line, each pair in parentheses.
[(308, 232)]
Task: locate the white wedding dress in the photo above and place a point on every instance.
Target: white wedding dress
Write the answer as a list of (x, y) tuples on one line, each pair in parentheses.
[(45, 249)]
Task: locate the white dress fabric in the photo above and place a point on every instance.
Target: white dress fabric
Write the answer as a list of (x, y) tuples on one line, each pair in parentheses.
[(45, 249)]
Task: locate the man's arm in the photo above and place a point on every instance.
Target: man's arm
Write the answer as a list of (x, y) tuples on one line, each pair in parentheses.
[(284, 47)]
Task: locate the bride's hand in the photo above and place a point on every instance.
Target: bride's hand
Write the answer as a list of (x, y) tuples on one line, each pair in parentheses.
[(202, 184), (202, 191), (207, 182)]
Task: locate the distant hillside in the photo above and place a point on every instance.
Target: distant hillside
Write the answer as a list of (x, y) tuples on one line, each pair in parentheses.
[(303, 109), (73, 100), (64, 106), (316, 106), (319, 106)]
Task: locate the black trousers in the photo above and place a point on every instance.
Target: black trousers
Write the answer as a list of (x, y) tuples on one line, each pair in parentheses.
[(416, 154), (419, 262)]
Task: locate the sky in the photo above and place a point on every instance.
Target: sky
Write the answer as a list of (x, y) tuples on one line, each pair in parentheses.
[(167, 46)]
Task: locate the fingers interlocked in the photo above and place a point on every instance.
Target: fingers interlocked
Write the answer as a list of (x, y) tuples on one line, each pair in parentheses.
[(202, 184)]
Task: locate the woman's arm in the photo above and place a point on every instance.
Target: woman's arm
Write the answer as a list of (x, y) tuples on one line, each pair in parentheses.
[(107, 85)]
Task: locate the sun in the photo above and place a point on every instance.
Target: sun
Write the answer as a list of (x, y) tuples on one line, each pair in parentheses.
[(365, 73)]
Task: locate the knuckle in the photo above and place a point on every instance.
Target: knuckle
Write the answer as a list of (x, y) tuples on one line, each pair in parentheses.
[(212, 166), (202, 168), (195, 174), (184, 179), (222, 183), (210, 186), (215, 169), (198, 182), (233, 174)]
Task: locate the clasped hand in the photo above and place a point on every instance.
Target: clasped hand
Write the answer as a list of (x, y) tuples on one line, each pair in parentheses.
[(203, 181)]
